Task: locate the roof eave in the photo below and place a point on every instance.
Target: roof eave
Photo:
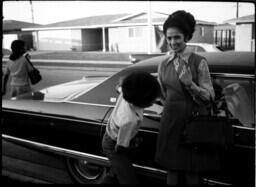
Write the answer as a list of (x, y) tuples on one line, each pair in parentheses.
[(245, 21), (90, 27), (95, 26)]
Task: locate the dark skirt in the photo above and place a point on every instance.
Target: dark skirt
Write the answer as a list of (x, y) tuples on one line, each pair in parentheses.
[(171, 153)]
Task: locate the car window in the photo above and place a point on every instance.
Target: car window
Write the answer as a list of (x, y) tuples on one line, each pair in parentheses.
[(240, 97)]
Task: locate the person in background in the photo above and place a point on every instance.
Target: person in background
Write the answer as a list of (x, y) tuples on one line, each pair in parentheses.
[(186, 88), (17, 68), (138, 90)]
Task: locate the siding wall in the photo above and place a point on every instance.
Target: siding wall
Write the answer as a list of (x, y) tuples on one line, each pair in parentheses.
[(208, 36), (127, 43), (243, 38), (25, 36), (76, 38), (7, 40), (59, 39)]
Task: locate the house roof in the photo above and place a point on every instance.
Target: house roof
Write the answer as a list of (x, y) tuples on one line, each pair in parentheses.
[(243, 19), (92, 21), (109, 21), (88, 21), (14, 25)]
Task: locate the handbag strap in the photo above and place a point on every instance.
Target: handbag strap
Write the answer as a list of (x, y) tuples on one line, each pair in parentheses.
[(27, 57)]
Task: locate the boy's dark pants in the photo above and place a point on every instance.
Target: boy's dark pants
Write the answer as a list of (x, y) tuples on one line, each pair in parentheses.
[(120, 162)]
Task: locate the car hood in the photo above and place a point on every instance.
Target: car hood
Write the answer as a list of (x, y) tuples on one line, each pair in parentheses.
[(63, 92)]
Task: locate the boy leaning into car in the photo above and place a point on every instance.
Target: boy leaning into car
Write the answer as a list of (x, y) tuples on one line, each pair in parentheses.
[(138, 90)]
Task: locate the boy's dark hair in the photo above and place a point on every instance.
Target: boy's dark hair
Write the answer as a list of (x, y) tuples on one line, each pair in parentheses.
[(17, 47), (140, 88), (182, 20)]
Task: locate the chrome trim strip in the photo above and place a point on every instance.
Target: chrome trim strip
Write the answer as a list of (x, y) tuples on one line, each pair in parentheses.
[(92, 104), (76, 154), (148, 131), (245, 146), (234, 75), (57, 150), (216, 182), (49, 115), (152, 115), (228, 75), (242, 127), (154, 170)]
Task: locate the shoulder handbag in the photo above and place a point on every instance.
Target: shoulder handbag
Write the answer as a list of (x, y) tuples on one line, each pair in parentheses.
[(34, 75), (208, 131)]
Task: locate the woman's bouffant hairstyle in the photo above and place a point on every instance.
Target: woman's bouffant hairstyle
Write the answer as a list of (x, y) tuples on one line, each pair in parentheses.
[(17, 47), (182, 20), (140, 88)]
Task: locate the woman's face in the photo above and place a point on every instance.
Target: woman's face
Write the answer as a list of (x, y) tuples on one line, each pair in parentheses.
[(175, 39)]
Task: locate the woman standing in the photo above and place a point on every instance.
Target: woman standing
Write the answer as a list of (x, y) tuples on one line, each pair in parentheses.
[(186, 87), (18, 68)]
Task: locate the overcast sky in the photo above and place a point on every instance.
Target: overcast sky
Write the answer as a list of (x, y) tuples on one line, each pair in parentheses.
[(46, 12)]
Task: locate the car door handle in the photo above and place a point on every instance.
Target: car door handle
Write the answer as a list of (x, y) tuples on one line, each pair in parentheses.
[(52, 124), (237, 134)]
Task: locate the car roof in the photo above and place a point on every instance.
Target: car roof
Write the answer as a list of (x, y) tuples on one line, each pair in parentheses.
[(219, 62), (200, 44), (208, 47)]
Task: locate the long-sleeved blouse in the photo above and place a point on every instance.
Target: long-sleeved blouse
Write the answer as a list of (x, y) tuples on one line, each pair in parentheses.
[(203, 90)]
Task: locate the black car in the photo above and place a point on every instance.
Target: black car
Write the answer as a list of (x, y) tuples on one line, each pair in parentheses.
[(70, 119)]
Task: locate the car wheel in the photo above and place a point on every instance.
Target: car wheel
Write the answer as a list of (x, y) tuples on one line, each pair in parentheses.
[(84, 172)]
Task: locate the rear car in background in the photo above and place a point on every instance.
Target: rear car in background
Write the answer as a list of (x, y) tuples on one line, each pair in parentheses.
[(193, 47), (70, 120), (203, 47)]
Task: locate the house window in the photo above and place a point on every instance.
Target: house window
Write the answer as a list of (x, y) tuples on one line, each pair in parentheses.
[(135, 32), (202, 31), (131, 32)]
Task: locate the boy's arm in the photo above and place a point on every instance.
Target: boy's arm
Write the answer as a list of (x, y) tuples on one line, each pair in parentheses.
[(124, 136)]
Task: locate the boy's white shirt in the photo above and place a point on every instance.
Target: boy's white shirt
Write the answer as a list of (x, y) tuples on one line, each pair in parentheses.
[(124, 121)]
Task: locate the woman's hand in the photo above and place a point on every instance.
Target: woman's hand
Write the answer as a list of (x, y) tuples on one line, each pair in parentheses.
[(185, 76)]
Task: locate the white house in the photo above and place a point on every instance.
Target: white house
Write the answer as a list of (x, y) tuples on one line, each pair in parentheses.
[(12, 31), (120, 32), (245, 33)]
